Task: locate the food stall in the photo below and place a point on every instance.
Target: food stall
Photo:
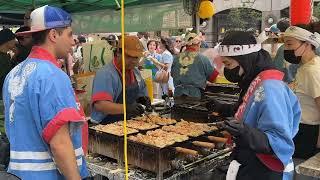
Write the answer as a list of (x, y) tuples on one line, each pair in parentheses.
[(176, 142), (164, 144), (161, 147)]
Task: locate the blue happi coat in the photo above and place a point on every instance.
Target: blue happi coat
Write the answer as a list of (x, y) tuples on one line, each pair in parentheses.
[(107, 86), (39, 99), (274, 109)]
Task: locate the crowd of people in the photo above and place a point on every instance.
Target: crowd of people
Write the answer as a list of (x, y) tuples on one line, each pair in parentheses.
[(276, 118)]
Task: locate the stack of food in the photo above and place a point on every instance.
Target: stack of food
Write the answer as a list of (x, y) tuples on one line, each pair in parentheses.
[(140, 125), (113, 129), (189, 128), (156, 119), (159, 138)]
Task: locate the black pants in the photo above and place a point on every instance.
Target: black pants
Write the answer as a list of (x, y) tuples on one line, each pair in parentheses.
[(306, 141), (251, 167)]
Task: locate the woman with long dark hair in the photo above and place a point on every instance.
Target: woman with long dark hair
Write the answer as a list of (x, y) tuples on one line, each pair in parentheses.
[(166, 51)]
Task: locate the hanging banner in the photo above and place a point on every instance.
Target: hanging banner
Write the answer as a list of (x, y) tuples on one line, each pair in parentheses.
[(96, 55), (149, 17)]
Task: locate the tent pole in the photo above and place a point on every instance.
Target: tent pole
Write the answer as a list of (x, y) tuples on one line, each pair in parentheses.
[(118, 4)]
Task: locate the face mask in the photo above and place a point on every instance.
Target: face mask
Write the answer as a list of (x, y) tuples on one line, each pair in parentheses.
[(290, 56), (232, 75)]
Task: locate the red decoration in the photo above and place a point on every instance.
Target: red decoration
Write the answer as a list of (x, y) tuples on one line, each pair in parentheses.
[(300, 11)]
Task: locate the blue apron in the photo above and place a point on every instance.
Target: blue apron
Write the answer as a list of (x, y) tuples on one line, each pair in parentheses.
[(132, 93)]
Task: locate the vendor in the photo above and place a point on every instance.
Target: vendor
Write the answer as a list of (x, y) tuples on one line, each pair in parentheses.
[(266, 116), (191, 70), (299, 48), (107, 100)]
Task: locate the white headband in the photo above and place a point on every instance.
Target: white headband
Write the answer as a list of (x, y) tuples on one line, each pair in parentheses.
[(303, 35), (237, 50)]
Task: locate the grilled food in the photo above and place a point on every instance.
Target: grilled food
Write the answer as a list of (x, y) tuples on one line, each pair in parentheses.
[(140, 125), (217, 139), (187, 151), (152, 140), (113, 129), (198, 126), (184, 130), (156, 120), (168, 135), (189, 128), (159, 138)]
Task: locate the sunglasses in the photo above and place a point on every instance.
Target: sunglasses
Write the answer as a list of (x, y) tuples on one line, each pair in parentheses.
[(177, 41)]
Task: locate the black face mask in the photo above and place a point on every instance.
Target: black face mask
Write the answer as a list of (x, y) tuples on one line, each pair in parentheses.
[(232, 75), (291, 57)]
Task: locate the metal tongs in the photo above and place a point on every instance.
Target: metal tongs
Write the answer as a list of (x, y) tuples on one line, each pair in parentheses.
[(147, 114), (219, 125)]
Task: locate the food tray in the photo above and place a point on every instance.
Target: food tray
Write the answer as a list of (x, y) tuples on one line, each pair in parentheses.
[(110, 131)]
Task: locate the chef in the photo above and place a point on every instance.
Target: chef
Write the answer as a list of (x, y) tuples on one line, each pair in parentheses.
[(266, 117), (107, 99)]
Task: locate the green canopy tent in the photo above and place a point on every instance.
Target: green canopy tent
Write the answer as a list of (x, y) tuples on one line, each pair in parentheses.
[(72, 6), (98, 16)]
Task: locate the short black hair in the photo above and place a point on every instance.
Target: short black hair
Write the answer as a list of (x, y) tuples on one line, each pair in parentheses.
[(238, 38), (82, 39), (40, 37)]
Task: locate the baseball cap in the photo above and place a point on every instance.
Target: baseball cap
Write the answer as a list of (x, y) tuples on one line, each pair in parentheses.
[(6, 35), (48, 17), (132, 46)]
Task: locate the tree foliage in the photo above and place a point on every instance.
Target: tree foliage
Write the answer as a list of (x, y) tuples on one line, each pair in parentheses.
[(243, 18)]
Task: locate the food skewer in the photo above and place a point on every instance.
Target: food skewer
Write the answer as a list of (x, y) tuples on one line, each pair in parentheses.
[(204, 144), (187, 151)]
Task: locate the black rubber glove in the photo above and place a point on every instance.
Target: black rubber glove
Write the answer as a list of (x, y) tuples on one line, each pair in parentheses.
[(248, 137), (145, 100), (134, 110), (225, 110)]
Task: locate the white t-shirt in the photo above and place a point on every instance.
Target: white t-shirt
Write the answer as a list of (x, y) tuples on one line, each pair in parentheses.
[(307, 88)]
